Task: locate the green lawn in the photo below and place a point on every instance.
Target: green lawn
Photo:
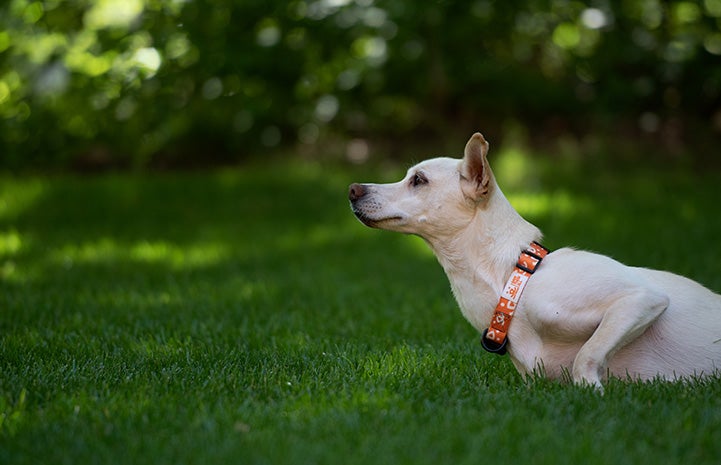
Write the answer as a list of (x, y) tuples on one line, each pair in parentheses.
[(244, 316)]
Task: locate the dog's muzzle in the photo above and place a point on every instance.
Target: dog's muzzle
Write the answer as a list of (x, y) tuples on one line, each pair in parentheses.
[(356, 192)]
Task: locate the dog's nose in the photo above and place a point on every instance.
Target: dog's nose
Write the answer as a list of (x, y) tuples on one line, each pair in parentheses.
[(356, 191)]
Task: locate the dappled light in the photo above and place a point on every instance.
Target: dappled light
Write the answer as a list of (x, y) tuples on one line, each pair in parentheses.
[(555, 204), (173, 256)]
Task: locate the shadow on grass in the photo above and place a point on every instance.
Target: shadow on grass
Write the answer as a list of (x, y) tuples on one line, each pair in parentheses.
[(280, 248), (273, 252), (277, 252)]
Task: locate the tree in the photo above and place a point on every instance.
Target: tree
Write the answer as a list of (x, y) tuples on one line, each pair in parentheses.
[(137, 82)]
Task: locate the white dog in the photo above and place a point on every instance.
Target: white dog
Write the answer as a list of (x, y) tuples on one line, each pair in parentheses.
[(579, 313)]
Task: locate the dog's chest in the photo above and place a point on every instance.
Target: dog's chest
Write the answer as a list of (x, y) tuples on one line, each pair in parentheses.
[(475, 299)]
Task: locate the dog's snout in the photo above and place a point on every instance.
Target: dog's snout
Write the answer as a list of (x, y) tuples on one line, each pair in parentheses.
[(356, 191)]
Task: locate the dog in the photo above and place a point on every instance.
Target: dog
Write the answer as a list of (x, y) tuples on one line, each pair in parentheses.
[(581, 316)]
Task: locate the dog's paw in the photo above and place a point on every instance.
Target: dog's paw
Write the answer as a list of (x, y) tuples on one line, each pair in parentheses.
[(587, 372), (594, 384)]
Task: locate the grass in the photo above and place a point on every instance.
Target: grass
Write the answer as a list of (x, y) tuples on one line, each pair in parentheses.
[(244, 316)]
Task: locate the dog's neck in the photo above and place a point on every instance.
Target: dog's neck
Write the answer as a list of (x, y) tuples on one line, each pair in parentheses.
[(479, 259)]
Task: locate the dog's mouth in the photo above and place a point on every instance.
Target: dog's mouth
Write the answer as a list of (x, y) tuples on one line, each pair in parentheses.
[(373, 222)]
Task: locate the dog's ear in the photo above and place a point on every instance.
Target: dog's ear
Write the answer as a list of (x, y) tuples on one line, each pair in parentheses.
[(475, 171)]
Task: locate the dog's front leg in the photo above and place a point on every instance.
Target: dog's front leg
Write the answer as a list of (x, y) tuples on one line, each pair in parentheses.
[(622, 322)]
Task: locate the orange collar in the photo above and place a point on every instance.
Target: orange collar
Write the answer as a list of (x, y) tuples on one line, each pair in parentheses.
[(495, 338)]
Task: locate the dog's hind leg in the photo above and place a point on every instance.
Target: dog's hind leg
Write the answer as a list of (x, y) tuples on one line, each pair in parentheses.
[(622, 322)]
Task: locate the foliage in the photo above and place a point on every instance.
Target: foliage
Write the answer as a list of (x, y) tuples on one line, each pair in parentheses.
[(247, 317), (147, 81)]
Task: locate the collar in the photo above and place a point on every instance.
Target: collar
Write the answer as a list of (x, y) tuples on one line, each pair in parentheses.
[(495, 338)]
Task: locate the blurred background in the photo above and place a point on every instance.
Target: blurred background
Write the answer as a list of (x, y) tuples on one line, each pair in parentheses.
[(154, 84)]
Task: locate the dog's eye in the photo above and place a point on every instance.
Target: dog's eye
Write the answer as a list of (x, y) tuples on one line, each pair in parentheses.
[(418, 179)]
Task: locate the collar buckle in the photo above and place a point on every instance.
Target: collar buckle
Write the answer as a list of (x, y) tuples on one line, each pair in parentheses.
[(492, 346)]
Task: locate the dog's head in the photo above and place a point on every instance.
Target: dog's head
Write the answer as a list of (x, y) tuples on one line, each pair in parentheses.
[(437, 197)]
